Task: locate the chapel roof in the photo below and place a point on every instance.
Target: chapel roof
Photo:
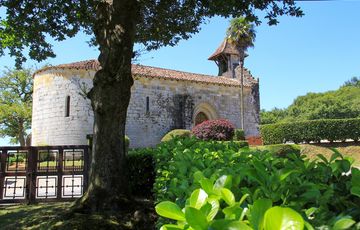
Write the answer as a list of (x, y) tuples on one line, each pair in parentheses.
[(160, 73), (225, 48)]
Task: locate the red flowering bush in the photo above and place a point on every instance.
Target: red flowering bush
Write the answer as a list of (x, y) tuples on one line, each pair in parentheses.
[(219, 130)]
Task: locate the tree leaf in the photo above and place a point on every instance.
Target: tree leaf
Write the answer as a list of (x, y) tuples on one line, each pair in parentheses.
[(195, 218), (229, 225), (343, 223), (214, 208), (224, 181), (257, 212), (278, 218), (170, 210), (198, 198), (228, 196), (207, 185), (170, 227)]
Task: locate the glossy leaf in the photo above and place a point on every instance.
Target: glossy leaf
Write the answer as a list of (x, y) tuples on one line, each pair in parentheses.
[(196, 219), (229, 225), (198, 198), (257, 212), (228, 196), (170, 210), (214, 208), (278, 218), (343, 223)]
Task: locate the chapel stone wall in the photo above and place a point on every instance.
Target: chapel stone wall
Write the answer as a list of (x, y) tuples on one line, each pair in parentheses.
[(156, 107)]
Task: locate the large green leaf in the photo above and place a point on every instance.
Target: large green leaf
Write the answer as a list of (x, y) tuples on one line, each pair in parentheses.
[(170, 210), (229, 225), (224, 181), (214, 208), (228, 196), (198, 198), (171, 227), (207, 185), (343, 223), (257, 212), (278, 218), (196, 219)]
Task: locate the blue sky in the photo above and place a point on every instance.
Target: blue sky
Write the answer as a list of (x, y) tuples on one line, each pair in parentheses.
[(315, 53)]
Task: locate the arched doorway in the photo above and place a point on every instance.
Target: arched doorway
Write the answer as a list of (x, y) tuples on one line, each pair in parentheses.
[(200, 118), (203, 112)]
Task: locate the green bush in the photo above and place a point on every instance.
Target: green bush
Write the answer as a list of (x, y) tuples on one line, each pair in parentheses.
[(127, 142), (316, 130), (176, 133), (239, 135), (141, 171), (281, 149), (322, 192)]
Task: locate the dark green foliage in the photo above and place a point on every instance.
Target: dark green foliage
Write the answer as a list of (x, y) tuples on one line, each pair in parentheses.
[(337, 104), (316, 130), (354, 81), (141, 171), (176, 133), (239, 135), (281, 149), (30, 23), (320, 191)]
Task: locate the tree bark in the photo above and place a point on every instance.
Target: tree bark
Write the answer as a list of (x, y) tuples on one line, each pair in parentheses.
[(110, 96), (21, 133)]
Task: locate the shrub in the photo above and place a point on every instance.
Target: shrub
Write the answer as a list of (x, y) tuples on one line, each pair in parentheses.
[(220, 130), (281, 149), (176, 133), (141, 171), (315, 130), (320, 191), (239, 135)]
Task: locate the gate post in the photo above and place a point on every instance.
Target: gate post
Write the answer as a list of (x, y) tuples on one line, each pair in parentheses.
[(60, 173), (3, 154), (31, 175)]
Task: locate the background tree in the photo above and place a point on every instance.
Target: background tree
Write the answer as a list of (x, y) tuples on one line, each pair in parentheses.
[(335, 104), (241, 33), (116, 26), (16, 104)]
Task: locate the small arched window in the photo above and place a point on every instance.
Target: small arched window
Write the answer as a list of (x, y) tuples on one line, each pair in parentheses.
[(67, 106)]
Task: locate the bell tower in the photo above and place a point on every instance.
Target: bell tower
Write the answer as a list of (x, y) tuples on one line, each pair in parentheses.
[(227, 58)]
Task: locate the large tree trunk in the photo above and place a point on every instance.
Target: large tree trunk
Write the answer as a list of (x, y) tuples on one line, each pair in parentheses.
[(110, 96)]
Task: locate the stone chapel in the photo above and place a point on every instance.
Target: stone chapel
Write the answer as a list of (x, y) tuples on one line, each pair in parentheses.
[(161, 100)]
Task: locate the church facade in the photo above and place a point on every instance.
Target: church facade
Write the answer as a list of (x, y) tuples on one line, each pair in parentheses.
[(161, 100)]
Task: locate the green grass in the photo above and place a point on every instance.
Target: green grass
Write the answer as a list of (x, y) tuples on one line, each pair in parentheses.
[(351, 150)]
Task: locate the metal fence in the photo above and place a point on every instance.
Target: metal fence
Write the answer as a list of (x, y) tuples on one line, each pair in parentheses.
[(38, 174)]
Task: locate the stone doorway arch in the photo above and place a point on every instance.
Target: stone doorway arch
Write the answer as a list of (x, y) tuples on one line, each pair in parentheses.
[(203, 112)]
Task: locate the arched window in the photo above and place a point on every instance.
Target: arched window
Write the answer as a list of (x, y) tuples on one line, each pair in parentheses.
[(67, 106), (200, 118)]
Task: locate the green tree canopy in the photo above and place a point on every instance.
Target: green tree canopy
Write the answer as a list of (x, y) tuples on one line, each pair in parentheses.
[(337, 104), (16, 104)]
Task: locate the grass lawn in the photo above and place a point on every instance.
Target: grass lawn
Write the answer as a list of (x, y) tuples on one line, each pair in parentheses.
[(57, 216), (346, 149)]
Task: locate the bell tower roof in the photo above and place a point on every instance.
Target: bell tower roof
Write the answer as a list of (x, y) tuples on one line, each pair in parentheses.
[(225, 48)]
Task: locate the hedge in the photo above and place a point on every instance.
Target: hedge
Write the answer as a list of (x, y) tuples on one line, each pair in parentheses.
[(315, 130), (176, 133)]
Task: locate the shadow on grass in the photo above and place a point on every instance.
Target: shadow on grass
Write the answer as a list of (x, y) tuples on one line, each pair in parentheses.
[(58, 216)]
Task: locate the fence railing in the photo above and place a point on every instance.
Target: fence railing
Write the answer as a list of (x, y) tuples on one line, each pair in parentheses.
[(38, 174)]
